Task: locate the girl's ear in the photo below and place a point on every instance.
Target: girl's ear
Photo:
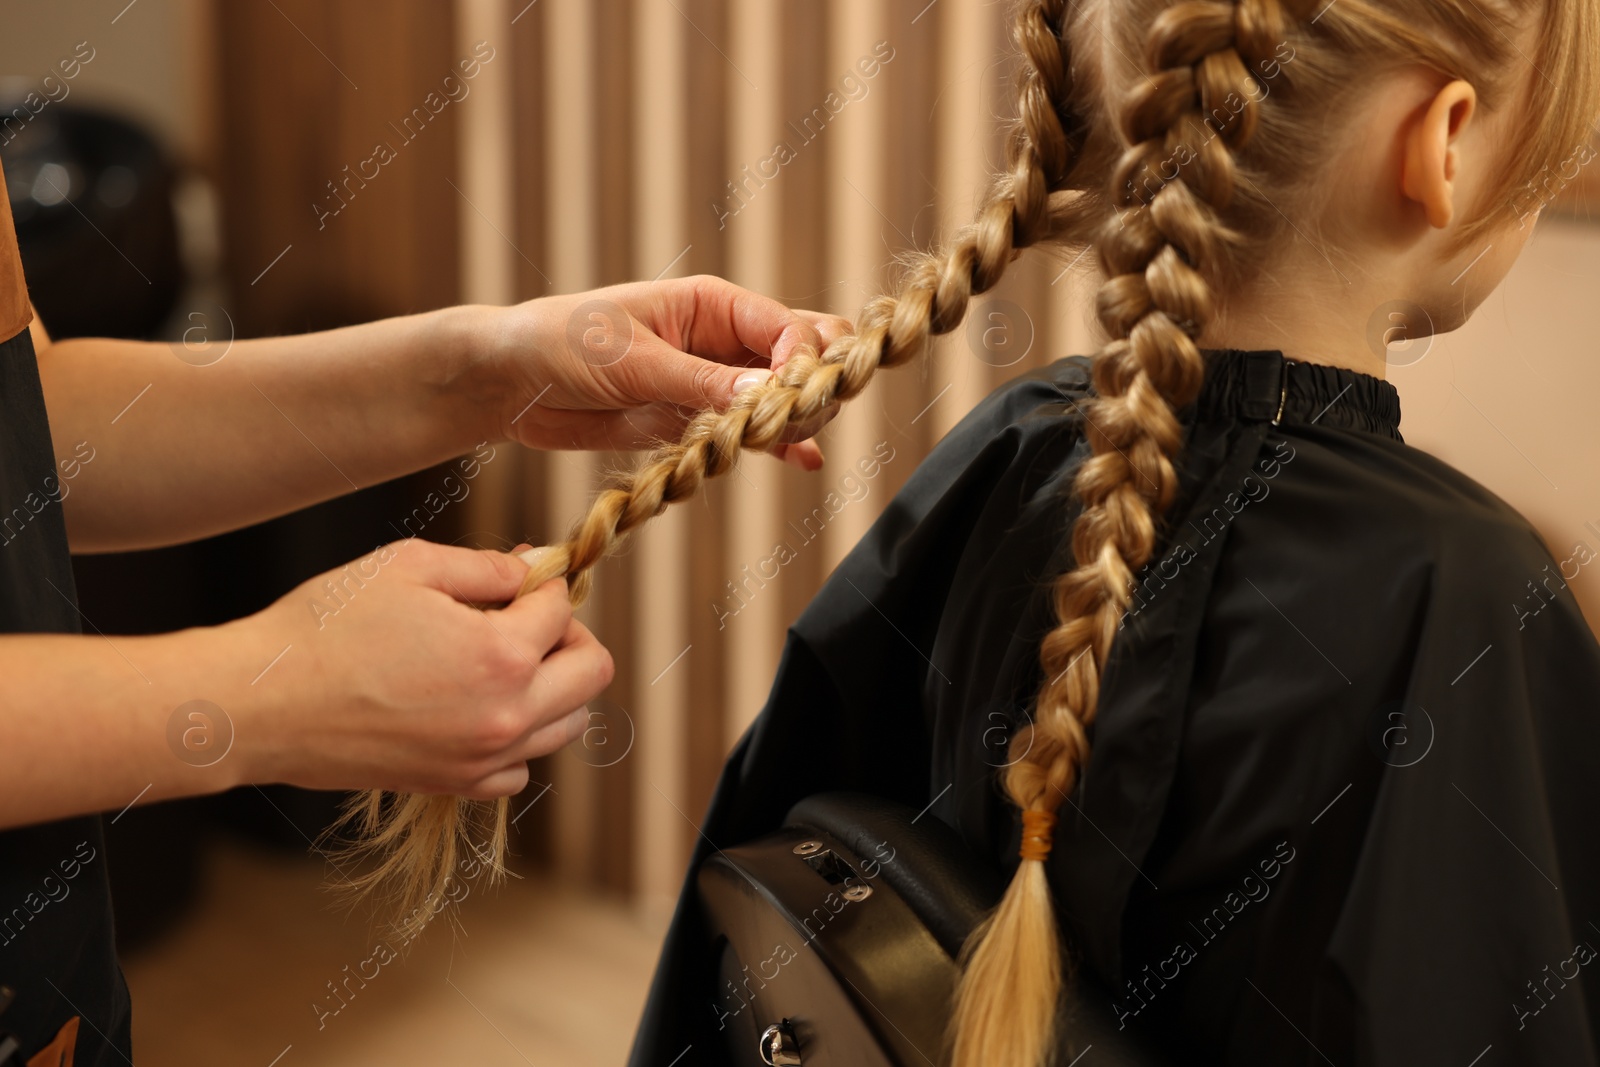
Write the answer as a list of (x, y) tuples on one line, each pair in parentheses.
[(1432, 154)]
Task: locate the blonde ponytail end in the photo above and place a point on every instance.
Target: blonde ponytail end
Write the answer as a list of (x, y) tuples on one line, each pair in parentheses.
[(418, 851), (1005, 1010)]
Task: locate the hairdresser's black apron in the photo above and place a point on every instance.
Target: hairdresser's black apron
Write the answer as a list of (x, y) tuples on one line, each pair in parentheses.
[(70, 1003), (1342, 804)]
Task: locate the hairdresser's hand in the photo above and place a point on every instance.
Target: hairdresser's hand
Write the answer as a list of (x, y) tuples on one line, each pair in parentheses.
[(626, 367), (392, 680)]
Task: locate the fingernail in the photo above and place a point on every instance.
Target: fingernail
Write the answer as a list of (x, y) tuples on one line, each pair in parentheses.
[(749, 380), (533, 556)]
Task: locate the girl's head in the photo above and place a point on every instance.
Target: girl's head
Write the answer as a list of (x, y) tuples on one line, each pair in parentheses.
[(1393, 142), (1249, 162), (1215, 153)]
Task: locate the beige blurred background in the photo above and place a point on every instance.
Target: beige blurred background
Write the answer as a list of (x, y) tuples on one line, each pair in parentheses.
[(608, 140)]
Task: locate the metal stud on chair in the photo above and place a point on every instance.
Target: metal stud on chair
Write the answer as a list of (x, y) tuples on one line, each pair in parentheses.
[(778, 1046)]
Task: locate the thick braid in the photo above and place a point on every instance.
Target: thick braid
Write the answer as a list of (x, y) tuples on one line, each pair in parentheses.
[(1154, 305), (416, 836)]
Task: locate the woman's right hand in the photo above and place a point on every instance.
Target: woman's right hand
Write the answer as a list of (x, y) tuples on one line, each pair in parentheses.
[(389, 676)]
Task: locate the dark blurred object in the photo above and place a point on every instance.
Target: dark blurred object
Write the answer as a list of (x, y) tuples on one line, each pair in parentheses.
[(875, 988), (153, 859), (92, 198)]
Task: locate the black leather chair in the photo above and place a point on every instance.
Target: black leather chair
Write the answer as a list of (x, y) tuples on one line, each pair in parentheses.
[(838, 937)]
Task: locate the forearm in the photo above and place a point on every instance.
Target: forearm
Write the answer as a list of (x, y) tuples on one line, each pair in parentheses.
[(155, 449), (87, 725), (380, 675)]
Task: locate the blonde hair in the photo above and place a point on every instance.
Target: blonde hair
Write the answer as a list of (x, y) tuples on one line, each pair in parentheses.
[(1207, 144)]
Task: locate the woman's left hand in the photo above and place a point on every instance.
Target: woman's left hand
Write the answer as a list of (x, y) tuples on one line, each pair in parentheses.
[(628, 366)]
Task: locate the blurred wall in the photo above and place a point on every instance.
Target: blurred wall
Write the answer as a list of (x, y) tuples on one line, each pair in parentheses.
[(1511, 398), (151, 60), (323, 227)]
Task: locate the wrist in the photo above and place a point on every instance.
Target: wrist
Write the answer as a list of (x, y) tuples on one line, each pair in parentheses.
[(476, 361), (251, 701)]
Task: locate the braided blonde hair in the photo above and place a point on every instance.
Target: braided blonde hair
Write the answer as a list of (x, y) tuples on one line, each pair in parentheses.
[(1234, 97), (417, 836), (1155, 303)]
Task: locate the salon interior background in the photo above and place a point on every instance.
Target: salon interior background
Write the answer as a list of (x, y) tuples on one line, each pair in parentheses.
[(344, 160)]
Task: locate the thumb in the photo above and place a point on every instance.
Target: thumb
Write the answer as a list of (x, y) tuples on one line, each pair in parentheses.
[(684, 380), (472, 576)]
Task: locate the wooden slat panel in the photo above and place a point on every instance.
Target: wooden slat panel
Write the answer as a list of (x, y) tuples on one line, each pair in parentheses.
[(613, 180), (803, 187), (967, 138), (754, 622), (517, 501), (354, 248), (489, 259), (858, 235), (571, 128), (660, 590), (710, 83), (529, 37), (621, 171), (904, 92), (488, 209)]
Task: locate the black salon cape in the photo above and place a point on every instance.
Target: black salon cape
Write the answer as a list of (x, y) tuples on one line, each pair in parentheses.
[(1342, 804)]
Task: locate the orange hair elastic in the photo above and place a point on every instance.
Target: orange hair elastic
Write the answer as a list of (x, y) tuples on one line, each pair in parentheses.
[(1036, 827)]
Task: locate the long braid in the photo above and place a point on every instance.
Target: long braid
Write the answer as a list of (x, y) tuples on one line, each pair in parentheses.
[(417, 836), (1155, 303)]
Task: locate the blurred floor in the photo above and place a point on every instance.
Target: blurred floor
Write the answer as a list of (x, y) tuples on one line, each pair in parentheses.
[(534, 974)]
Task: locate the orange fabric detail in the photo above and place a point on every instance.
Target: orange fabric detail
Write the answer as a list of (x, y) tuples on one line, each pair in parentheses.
[(15, 314), (58, 1053), (1036, 827)]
